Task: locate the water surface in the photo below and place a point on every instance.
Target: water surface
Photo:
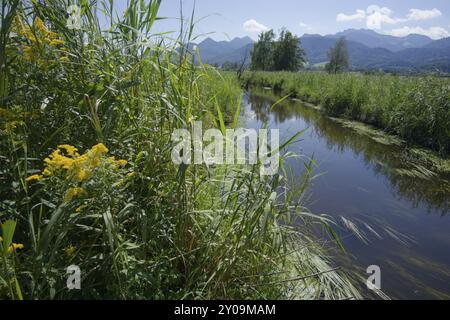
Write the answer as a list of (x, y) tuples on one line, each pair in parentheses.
[(400, 206)]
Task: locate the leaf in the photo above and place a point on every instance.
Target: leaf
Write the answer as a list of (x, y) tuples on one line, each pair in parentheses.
[(236, 114), (335, 237), (222, 123), (8, 229), (18, 291), (279, 101)]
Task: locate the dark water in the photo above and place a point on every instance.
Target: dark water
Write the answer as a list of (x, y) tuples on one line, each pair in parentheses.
[(400, 206)]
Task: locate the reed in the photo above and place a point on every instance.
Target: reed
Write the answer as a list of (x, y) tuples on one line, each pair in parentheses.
[(87, 179)]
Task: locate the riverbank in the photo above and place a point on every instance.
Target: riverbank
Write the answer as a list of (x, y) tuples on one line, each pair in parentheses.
[(414, 108)]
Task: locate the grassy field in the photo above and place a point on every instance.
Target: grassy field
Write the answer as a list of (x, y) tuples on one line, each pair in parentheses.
[(415, 108), (86, 176)]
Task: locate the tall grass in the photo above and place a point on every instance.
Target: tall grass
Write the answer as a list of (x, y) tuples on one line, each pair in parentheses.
[(415, 108), (87, 178)]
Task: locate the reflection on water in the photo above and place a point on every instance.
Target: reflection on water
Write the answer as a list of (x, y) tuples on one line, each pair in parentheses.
[(373, 181)]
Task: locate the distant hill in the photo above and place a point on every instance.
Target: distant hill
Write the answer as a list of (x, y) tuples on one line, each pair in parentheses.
[(368, 50), (373, 39), (211, 50)]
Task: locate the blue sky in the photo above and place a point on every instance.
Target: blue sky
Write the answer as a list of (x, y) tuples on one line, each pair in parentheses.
[(226, 19)]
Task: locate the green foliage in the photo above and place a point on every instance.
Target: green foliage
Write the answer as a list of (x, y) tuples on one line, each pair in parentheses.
[(287, 54), (139, 227), (262, 53), (338, 56), (283, 54), (415, 108)]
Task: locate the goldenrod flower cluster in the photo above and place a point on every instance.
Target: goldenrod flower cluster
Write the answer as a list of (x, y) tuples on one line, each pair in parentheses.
[(14, 246), (67, 162), (37, 37)]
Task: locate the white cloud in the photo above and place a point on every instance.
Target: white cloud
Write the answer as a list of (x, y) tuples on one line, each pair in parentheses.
[(383, 10), (433, 32), (359, 16), (375, 16), (254, 26), (305, 26), (417, 14)]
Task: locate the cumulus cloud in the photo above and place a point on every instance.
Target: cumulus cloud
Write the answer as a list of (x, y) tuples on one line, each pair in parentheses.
[(358, 16), (417, 14), (433, 32), (305, 26), (375, 16), (254, 26)]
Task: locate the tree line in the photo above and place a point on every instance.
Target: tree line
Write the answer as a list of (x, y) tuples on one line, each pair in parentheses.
[(286, 54)]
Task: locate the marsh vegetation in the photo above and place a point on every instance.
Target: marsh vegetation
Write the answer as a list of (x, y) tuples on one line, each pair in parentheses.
[(87, 179)]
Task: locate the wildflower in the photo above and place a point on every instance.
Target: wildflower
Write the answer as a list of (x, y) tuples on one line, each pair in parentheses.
[(80, 208), (70, 250), (73, 193), (122, 163), (131, 174), (14, 247), (99, 149), (117, 163), (34, 177), (82, 174), (40, 25), (56, 42), (57, 161), (71, 150)]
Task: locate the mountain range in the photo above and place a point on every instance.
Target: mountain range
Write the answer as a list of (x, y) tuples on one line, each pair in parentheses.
[(368, 50)]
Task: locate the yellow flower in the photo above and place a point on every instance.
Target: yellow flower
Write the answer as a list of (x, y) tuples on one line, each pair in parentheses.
[(40, 25), (71, 150), (72, 193), (117, 163), (80, 208), (122, 163), (14, 247), (131, 174), (34, 177), (70, 250), (56, 42), (82, 175), (99, 149)]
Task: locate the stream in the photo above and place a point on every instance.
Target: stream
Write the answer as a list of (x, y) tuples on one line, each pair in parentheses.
[(399, 205)]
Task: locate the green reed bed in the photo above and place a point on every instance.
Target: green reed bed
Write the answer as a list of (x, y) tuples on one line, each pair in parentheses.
[(415, 108), (86, 176)]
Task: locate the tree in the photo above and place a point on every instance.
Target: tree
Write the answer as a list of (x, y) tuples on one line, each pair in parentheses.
[(283, 54), (262, 51), (287, 54), (338, 56)]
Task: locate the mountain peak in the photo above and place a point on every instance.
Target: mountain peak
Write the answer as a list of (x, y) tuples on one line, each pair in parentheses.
[(208, 41)]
